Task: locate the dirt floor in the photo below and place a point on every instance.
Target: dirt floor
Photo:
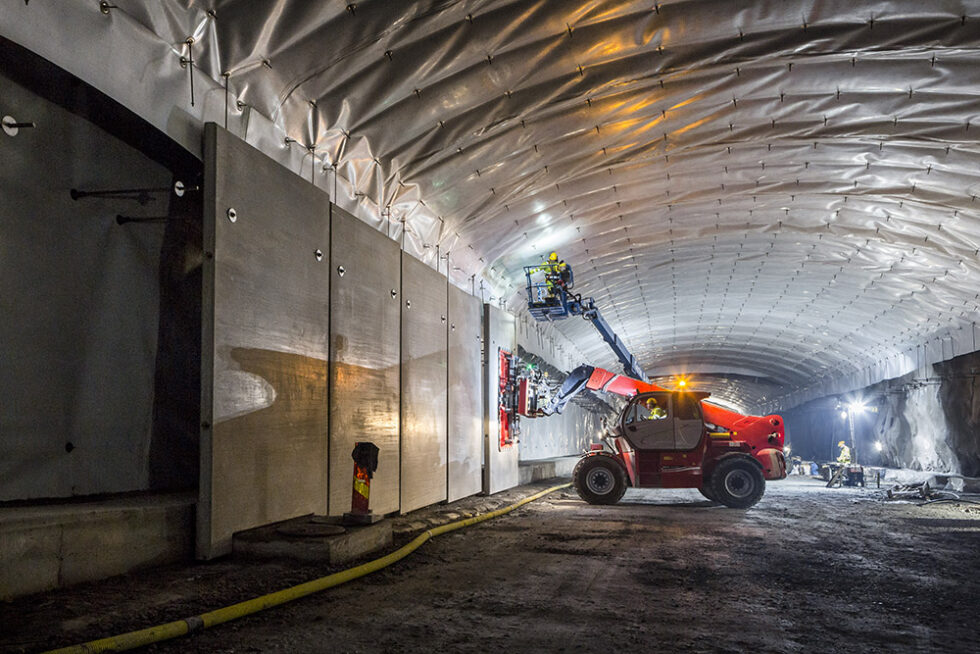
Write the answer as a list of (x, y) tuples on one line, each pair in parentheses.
[(806, 570)]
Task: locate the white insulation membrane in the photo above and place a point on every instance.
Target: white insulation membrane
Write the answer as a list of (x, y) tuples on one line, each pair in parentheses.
[(779, 198)]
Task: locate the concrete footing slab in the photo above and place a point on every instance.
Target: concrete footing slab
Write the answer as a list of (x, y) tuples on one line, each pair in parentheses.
[(541, 469), (55, 545), (312, 538)]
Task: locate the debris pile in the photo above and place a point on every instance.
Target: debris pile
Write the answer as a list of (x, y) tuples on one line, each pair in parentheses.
[(938, 488)]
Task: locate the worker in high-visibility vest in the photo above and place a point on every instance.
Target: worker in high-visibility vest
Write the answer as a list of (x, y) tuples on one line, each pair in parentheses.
[(555, 273), (844, 457), (656, 411)]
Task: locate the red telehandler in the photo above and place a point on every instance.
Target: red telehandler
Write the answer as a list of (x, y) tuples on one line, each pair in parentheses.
[(672, 439), (662, 438)]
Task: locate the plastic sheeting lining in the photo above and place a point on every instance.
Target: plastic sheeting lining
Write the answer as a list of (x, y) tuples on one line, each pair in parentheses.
[(784, 191)]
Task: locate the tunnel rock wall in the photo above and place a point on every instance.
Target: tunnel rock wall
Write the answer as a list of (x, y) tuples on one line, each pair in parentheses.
[(926, 420), (960, 397), (929, 419), (928, 443), (912, 428)]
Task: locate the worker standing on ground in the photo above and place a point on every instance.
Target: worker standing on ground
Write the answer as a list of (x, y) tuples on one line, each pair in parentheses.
[(844, 457)]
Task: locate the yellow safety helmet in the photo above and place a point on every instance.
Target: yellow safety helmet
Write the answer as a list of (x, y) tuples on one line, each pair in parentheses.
[(841, 444), (553, 256)]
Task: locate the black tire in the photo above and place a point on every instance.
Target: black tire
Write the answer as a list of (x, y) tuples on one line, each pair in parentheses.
[(599, 479), (706, 491), (737, 483)]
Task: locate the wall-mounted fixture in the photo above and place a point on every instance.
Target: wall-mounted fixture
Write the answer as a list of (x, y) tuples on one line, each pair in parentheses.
[(11, 126)]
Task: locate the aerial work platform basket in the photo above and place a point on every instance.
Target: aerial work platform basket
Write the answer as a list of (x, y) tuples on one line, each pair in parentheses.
[(549, 297), (547, 292)]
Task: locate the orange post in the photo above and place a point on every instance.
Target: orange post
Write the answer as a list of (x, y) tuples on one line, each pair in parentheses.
[(361, 495), (365, 457)]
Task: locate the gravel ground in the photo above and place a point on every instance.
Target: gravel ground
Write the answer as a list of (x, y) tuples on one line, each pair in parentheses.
[(806, 570)]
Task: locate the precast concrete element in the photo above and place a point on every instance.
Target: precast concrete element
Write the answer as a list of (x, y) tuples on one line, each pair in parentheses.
[(312, 538), (50, 546), (365, 347), (542, 469), (424, 449), (500, 461), (264, 344), (465, 399)]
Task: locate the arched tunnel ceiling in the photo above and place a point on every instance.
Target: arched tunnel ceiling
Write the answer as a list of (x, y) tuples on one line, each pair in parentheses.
[(779, 198)]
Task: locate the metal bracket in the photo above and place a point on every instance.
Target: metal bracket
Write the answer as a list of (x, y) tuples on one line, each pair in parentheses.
[(11, 126), (122, 220), (180, 188), (141, 196)]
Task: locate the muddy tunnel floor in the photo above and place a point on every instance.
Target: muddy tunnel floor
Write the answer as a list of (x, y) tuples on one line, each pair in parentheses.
[(808, 569)]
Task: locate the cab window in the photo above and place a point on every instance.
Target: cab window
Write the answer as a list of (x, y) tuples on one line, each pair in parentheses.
[(652, 407), (687, 407), (630, 415)]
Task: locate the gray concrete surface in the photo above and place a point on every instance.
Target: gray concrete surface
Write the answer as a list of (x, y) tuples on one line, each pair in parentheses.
[(49, 546), (310, 539), (545, 469)]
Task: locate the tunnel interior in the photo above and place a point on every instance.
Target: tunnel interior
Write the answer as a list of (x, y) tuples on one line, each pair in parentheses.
[(236, 241)]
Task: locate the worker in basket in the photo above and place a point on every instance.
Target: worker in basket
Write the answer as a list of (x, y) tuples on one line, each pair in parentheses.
[(844, 457), (556, 274), (656, 411)]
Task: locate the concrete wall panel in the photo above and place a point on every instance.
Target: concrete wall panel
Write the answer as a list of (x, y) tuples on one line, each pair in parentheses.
[(364, 358), (465, 399), (424, 332), (500, 471), (264, 350), (50, 546)]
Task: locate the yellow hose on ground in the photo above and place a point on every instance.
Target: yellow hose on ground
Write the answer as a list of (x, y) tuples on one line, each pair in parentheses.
[(228, 613)]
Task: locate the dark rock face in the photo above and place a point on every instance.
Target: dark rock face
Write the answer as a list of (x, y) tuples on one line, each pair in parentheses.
[(912, 427), (926, 420), (960, 396)]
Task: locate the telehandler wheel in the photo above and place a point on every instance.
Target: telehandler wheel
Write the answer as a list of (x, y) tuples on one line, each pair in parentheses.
[(737, 483), (599, 480), (706, 491)]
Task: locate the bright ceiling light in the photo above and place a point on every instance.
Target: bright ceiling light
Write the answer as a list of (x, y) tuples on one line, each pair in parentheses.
[(878, 446)]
